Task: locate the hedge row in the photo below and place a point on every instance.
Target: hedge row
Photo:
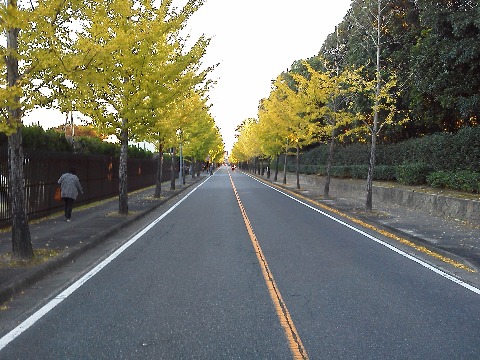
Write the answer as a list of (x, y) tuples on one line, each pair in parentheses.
[(38, 139), (409, 174), (382, 173), (466, 181), (442, 151), (442, 160)]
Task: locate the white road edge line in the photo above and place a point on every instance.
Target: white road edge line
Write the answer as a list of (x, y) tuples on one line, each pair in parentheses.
[(12, 335), (371, 237)]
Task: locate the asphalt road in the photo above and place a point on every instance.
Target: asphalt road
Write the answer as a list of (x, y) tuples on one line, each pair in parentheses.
[(238, 270)]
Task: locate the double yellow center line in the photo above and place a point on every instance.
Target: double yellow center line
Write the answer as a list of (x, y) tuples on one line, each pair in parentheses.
[(294, 341)]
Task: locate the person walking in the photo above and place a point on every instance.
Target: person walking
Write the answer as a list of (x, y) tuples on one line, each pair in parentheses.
[(70, 187)]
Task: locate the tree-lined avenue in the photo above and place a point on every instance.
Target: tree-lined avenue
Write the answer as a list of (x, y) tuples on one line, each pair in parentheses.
[(190, 285)]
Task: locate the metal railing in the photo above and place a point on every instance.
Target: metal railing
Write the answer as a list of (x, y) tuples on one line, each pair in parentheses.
[(98, 176)]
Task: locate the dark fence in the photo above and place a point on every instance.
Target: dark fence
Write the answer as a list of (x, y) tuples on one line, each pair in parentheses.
[(98, 176)]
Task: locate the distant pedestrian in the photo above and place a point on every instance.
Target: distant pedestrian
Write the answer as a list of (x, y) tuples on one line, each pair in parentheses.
[(70, 187)]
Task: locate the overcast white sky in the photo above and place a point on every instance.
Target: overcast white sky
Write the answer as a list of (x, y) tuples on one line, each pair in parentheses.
[(254, 41)]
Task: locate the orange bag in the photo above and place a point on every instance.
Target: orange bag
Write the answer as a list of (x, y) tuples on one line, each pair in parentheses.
[(58, 194)]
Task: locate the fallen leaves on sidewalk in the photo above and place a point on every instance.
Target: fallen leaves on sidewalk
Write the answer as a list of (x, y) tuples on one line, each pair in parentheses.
[(8, 260)]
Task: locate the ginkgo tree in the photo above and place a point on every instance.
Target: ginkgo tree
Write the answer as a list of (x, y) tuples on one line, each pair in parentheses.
[(217, 148), (276, 113), (247, 146), (271, 139), (137, 45), (35, 61), (202, 136), (186, 109), (287, 111), (106, 59), (160, 131), (373, 107), (162, 120), (323, 95), (375, 91)]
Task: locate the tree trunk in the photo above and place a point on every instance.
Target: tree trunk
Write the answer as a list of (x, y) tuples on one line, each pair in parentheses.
[(277, 164), (172, 178), (158, 181), (371, 166), (326, 189), (285, 165), (331, 149), (373, 149), (297, 170), (269, 161), (122, 170), (21, 239), (181, 168)]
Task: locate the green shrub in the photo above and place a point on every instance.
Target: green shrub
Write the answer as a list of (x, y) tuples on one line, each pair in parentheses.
[(359, 171), (466, 181), (439, 179), (317, 155), (446, 160), (343, 171), (413, 174), (354, 154), (442, 151), (321, 170), (36, 138), (290, 168), (381, 172), (90, 145), (313, 169), (385, 173), (302, 169), (136, 152)]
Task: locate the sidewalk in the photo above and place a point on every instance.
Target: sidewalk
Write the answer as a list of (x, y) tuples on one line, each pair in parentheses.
[(90, 225)]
